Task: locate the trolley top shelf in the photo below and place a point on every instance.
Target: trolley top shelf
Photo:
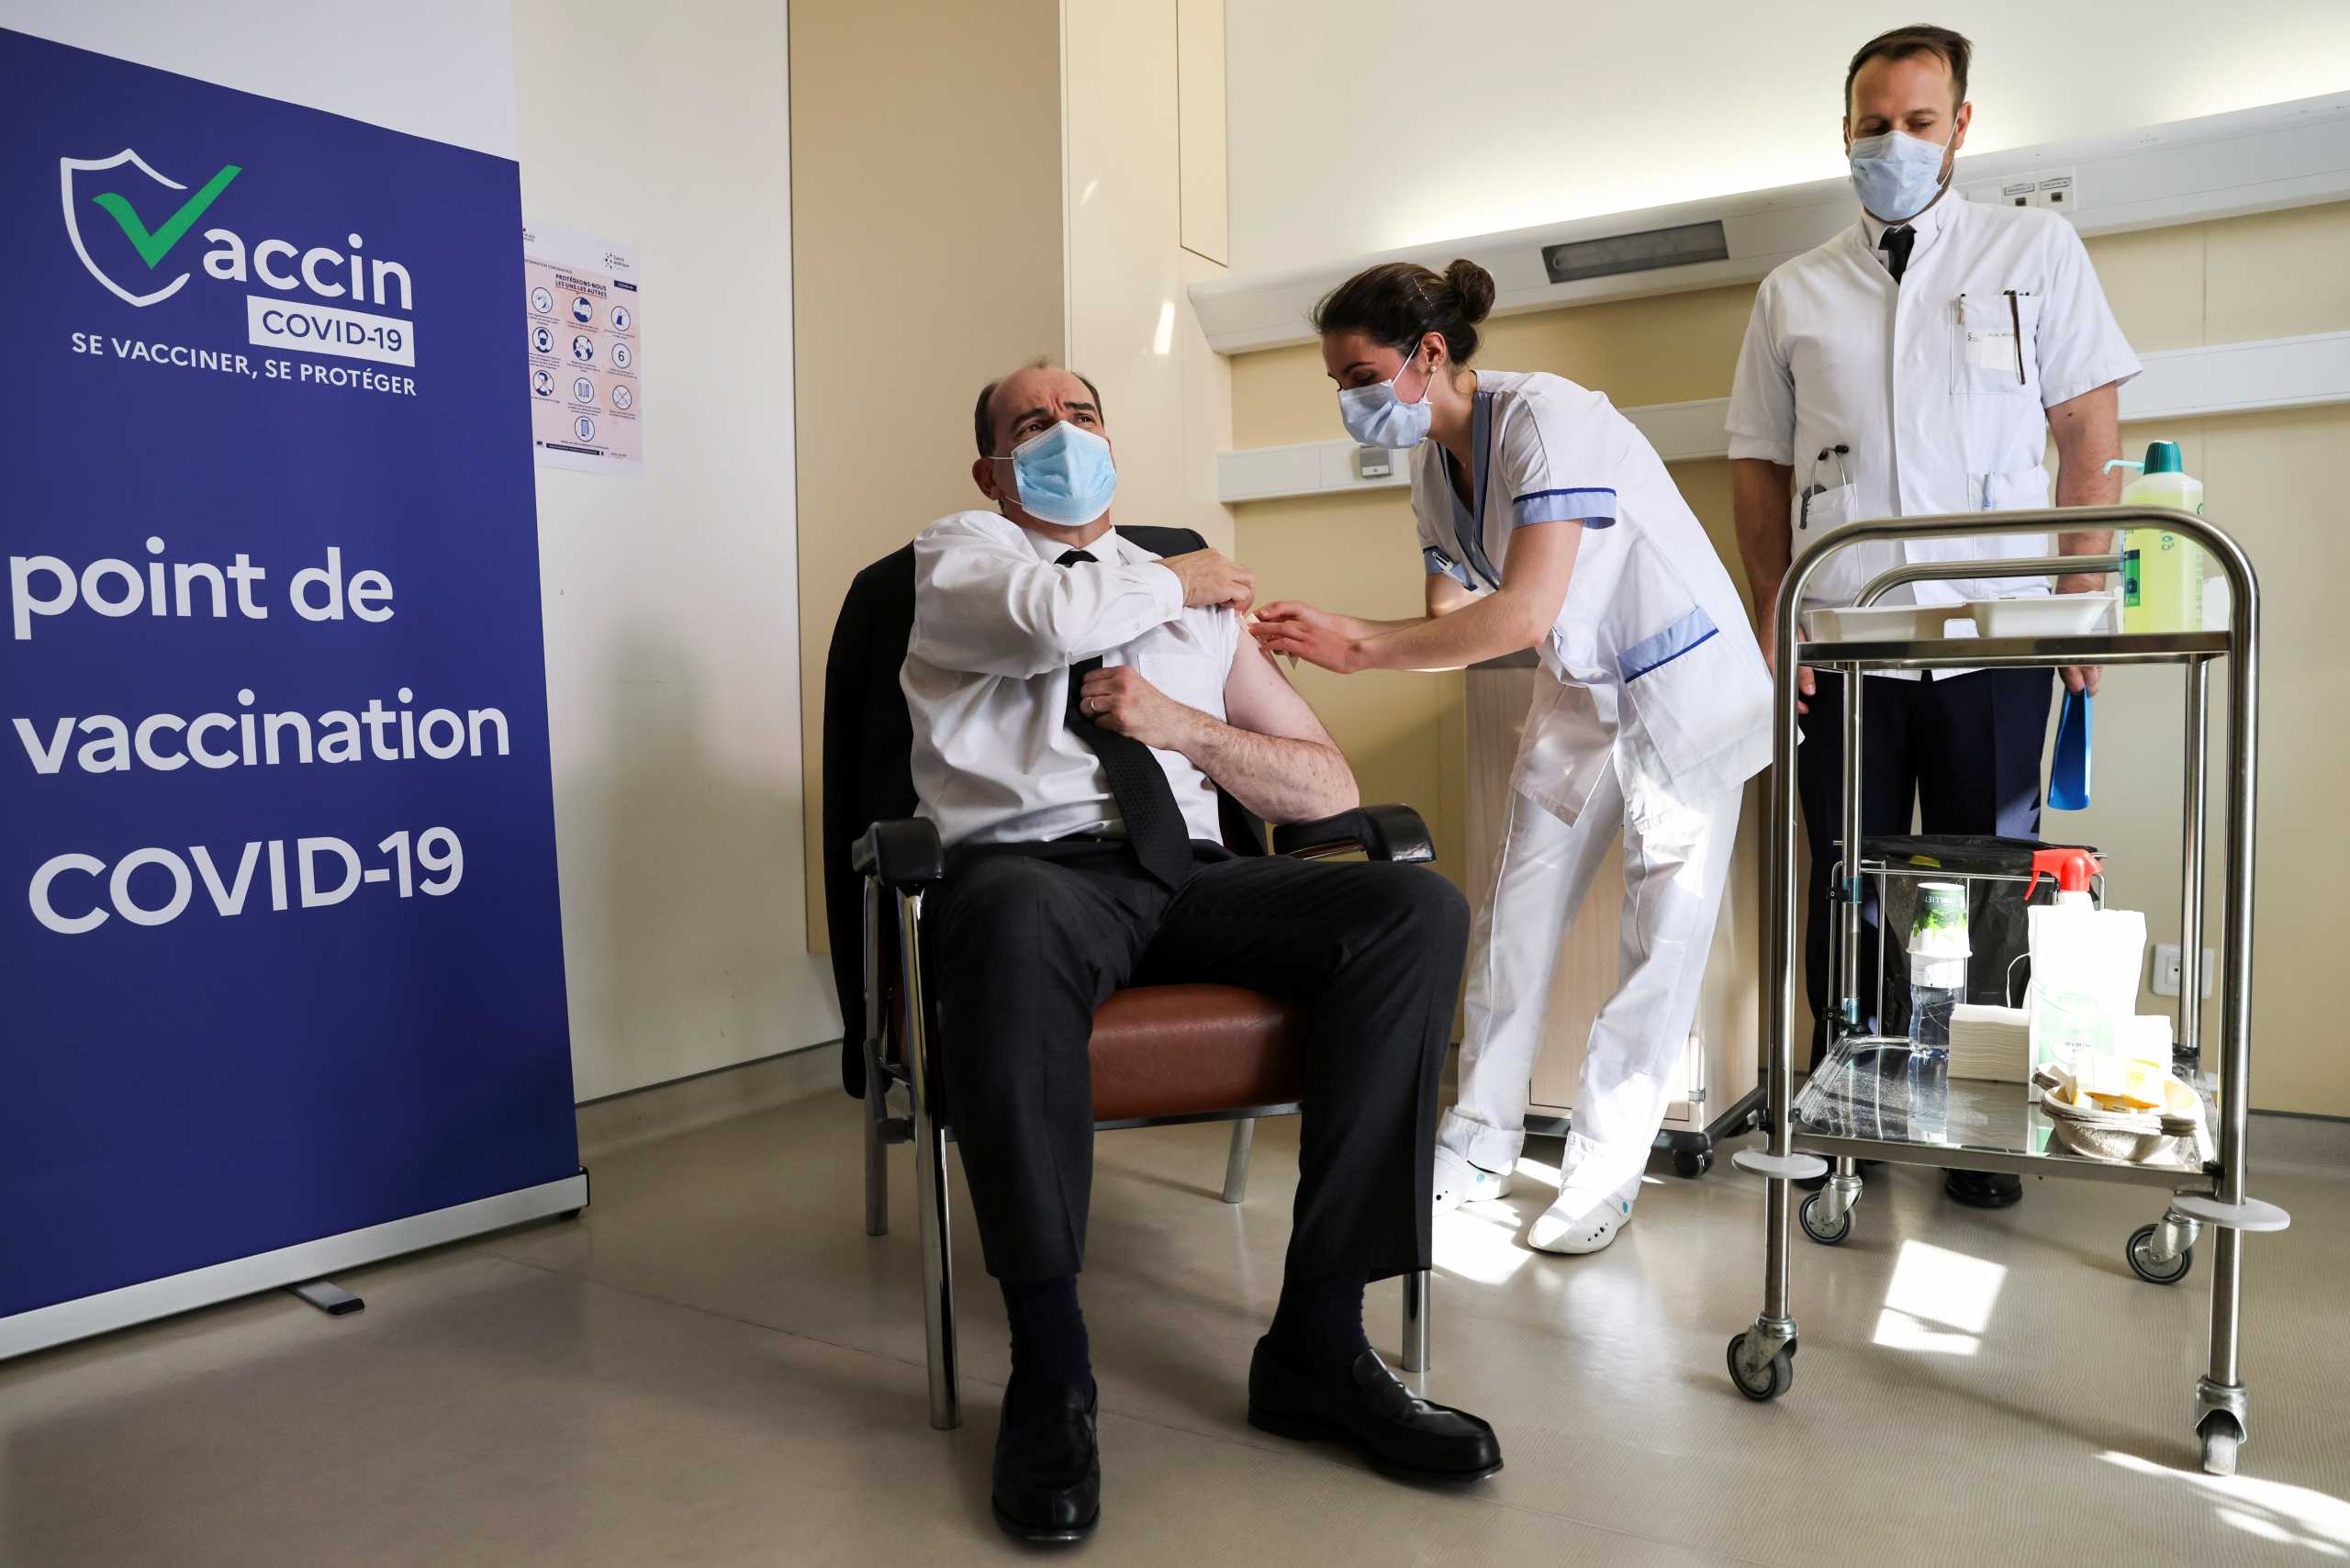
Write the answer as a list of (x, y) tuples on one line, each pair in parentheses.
[(1990, 652)]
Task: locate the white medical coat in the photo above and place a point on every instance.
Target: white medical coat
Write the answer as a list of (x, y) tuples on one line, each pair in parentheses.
[(1654, 668), (1941, 401)]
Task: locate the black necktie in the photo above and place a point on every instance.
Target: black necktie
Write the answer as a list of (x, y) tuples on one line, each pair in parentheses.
[(1154, 826), (1895, 245)]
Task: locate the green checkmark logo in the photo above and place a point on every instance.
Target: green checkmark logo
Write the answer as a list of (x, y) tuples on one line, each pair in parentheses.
[(153, 247)]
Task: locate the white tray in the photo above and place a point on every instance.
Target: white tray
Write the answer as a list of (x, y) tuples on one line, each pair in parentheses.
[(2045, 615), (1884, 623)]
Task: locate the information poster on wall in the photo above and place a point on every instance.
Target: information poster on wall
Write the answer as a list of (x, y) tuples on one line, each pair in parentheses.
[(584, 304), (280, 955)]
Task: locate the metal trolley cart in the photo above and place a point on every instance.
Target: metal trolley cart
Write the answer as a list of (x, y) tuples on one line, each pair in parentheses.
[(1865, 1102)]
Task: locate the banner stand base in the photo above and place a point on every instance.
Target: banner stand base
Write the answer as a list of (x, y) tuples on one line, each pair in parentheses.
[(329, 1297), (306, 1261)]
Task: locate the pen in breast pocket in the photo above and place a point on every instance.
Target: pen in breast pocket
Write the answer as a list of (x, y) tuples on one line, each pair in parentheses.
[(1986, 492)]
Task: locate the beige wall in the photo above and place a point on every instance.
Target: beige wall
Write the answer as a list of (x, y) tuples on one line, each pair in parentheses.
[(673, 722), (1141, 151), (2274, 479), (926, 212), (1367, 129)]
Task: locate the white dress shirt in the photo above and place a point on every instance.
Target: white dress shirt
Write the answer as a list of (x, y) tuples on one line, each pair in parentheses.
[(1929, 382), (997, 625)]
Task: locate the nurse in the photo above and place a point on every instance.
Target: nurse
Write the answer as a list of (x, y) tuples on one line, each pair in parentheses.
[(1547, 521), (1922, 361)]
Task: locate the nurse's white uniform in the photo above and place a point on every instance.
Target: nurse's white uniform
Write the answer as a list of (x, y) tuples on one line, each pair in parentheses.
[(1656, 712)]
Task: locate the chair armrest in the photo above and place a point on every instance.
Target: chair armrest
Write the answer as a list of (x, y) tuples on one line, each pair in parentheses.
[(1384, 833), (904, 854)]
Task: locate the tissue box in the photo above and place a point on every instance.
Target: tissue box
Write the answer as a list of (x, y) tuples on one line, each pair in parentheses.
[(1993, 1043)]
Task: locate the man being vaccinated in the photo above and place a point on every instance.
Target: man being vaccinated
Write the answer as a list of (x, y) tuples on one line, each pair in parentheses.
[(1076, 701), (1919, 363)]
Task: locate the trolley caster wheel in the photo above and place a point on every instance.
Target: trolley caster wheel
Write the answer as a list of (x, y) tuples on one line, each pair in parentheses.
[(1820, 1230), (1692, 1163), (1777, 1378), (2222, 1440), (2148, 1266)]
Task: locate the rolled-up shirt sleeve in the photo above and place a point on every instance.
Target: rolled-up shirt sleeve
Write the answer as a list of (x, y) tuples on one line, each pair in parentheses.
[(985, 601), (2080, 344), (1762, 422)]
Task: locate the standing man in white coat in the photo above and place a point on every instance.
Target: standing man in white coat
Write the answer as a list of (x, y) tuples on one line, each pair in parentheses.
[(1916, 363)]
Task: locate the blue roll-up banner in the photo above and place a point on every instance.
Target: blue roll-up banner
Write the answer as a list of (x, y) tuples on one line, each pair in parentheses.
[(280, 957)]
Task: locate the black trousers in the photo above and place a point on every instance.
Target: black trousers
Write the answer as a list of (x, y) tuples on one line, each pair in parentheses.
[(1026, 941), (1966, 753)]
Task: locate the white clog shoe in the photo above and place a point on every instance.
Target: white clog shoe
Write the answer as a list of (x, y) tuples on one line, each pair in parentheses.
[(1459, 1182), (1582, 1220)]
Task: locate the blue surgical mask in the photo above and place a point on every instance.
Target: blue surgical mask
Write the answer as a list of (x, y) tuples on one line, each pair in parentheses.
[(1897, 175), (1375, 416), (1065, 476)]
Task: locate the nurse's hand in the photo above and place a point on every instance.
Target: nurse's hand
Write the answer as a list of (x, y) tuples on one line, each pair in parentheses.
[(1289, 626), (2082, 677)]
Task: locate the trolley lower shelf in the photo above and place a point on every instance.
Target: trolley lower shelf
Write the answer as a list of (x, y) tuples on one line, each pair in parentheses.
[(1875, 1099)]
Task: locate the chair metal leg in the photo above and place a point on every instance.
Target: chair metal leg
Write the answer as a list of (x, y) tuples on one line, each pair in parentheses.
[(1236, 1164), (1415, 1321), (938, 1274), (930, 1177), (877, 1154), (876, 1083)]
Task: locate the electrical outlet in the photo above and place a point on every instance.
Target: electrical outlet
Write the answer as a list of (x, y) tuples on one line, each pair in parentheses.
[(2053, 189), (2164, 980)]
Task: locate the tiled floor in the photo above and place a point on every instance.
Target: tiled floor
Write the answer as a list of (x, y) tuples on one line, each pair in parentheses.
[(715, 1366)]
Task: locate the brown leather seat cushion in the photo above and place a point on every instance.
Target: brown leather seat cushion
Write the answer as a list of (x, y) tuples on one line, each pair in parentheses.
[(1172, 1050)]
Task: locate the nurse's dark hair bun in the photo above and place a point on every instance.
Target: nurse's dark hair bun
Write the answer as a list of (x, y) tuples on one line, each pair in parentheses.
[(1473, 286), (1397, 303)]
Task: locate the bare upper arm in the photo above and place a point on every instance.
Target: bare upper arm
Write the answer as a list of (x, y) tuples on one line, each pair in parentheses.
[(1257, 697), (2092, 417), (1445, 594), (1542, 560)]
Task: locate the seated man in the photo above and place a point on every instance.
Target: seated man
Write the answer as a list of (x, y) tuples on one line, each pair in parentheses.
[(1072, 696)]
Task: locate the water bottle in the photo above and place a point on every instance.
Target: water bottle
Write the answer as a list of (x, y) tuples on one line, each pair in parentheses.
[(1939, 947), (1936, 987), (1929, 1113)]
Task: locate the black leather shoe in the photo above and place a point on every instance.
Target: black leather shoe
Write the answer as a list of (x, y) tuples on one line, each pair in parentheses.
[(1983, 1189), (1401, 1434), (1048, 1464)]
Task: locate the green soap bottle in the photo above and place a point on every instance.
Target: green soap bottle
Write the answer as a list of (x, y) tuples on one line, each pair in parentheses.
[(2162, 572)]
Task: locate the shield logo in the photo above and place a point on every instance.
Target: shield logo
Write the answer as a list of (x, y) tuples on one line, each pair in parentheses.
[(103, 195)]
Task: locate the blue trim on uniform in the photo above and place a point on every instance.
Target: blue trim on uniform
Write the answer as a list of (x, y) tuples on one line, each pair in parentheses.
[(1440, 564), (1653, 652), (1592, 505), (1468, 521)]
